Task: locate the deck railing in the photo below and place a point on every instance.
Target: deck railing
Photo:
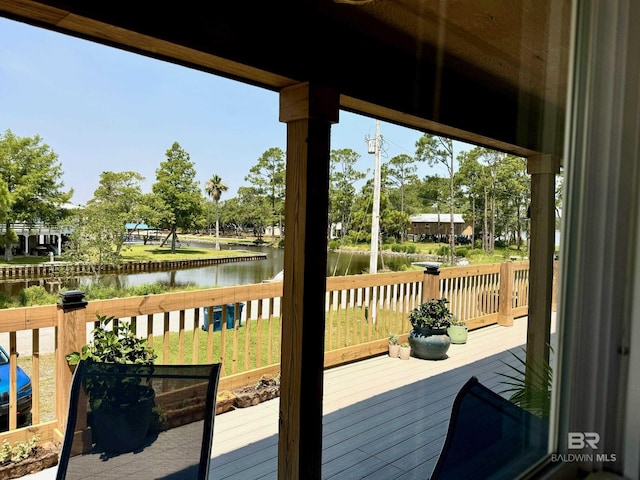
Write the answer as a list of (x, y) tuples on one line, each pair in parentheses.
[(361, 312)]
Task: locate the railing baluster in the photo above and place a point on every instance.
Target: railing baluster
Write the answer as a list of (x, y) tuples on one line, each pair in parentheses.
[(35, 376), (195, 350), (259, 334), (181, 329)]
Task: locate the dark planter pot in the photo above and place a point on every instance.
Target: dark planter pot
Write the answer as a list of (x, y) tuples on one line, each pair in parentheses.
[(123, 428), (429, 344)]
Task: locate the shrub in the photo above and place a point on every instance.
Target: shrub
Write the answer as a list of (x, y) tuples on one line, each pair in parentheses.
[(146, 289), (410, 248), (36, 295), (101, 292), (18, 452)]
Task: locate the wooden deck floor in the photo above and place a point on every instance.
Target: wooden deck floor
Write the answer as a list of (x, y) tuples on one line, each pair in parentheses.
[(384, 418)]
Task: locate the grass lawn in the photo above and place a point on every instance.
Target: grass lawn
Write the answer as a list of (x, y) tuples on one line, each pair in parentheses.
[(155, 252), (142, 253), (350, 325)]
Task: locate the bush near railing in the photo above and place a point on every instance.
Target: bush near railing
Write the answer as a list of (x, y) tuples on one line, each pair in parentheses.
[(361, 312)]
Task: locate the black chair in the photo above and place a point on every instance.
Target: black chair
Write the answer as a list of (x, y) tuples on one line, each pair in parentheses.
[(139, 421), (489, 437)]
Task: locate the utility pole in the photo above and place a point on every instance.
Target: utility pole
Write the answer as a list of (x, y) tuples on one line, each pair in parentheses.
[(375, 220), (374, 147)]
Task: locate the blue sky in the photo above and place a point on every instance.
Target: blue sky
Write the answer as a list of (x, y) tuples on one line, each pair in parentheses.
[(103, 109)]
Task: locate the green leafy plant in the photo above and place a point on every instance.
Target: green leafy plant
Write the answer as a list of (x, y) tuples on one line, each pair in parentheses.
[(19, 451), (117, 345), (114, 345), (457, 322), (393, 339), (433, 314), (533, 395)]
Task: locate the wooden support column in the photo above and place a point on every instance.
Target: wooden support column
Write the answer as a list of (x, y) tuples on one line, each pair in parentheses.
[(71, 336), (543, 170), (308, 110), (505, 302), (431, 282)]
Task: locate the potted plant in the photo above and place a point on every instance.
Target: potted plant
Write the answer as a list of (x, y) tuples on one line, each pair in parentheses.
[(457, 331), (121, 407), (394, 346), (428, 337), (405, 351)]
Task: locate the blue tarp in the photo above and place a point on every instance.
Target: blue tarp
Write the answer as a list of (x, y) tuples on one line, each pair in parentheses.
[(139, 226)]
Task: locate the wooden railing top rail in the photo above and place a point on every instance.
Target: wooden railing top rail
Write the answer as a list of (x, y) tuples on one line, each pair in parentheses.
[(470, 270), (29, 318), (373, 280)]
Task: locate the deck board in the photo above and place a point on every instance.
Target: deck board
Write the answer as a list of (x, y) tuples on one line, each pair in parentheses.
[(384, 418)]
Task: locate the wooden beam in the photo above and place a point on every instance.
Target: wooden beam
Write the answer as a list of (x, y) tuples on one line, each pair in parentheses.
[(543, 170), (309, 111)]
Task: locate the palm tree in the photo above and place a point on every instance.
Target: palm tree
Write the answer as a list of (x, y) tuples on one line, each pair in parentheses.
[(214, 188)]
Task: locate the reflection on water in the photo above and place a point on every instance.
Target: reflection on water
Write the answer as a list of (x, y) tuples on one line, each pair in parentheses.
[(239, 273)]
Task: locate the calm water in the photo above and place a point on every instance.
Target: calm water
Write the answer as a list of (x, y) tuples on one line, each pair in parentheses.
[(240, 273)]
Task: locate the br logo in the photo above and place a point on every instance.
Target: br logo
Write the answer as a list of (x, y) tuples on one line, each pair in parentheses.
[(580, 440)]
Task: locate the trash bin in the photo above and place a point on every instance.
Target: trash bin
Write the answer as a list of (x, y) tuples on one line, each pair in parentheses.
[(217, 316)]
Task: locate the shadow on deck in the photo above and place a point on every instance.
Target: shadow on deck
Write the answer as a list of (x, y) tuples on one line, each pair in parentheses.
[(385, 418)]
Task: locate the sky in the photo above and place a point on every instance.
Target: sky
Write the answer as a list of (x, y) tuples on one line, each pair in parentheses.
[(103, 109)]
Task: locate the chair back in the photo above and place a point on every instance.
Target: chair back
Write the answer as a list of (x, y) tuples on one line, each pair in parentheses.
[(139, 421), (489, 437)]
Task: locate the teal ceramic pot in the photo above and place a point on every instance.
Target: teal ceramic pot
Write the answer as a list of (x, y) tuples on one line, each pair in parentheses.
[(429, 344)]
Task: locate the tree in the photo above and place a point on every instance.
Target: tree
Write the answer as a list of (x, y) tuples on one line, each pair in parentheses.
[(498, 184), (514, 194), (399, 172), (342, 192), (255, 209), (470, 177), (119, 195), (434, 149), (214, 188), (33, 177), (432, 192), (9, 236), (178, 193), (267, 177), (95, 237), (98, 231)]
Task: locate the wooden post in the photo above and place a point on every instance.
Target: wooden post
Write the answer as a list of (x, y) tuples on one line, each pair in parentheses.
[(431, 282), (505, 298), (543, 169), (71, 336), (308, 110), (554, 293)]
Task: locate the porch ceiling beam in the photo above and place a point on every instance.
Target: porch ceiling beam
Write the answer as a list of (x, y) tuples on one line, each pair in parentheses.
[(308, 110)]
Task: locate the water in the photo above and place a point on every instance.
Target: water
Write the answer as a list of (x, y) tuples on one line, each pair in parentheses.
[(238, 273)]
